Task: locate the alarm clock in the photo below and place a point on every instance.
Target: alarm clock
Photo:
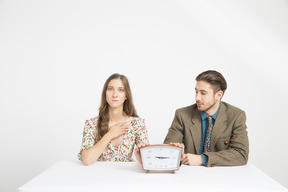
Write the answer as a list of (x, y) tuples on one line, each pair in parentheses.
[(160, 157)]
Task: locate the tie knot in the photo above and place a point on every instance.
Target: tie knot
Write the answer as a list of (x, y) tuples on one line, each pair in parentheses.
[(209, 119)]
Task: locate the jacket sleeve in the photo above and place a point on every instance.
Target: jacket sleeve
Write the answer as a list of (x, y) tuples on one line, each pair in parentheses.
[(175, 132), (237, 153)]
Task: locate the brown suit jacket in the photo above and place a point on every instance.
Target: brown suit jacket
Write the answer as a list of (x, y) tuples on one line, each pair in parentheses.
[(229, 140)]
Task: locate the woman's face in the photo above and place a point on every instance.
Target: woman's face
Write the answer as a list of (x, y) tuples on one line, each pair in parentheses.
[(115, 93)]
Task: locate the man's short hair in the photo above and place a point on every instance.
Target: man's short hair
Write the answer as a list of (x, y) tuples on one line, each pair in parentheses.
[(215, 78)]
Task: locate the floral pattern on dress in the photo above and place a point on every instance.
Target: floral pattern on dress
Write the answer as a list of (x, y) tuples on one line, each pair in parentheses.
[(137, 133)]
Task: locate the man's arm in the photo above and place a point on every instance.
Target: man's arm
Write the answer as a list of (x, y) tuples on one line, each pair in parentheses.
[(175, 132), (175, 137)]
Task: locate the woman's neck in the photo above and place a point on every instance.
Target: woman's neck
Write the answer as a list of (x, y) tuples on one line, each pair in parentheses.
[(116, 115)]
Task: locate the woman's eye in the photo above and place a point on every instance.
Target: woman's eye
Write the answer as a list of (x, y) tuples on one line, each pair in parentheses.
[(122, 90), (109, 89)]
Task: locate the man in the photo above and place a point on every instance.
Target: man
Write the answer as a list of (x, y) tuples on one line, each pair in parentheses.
[(213, 132)]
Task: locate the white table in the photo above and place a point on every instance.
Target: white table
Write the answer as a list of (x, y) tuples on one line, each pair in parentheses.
[(114, 176)]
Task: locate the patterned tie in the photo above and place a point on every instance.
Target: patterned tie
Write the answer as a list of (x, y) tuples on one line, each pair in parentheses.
[(208, 135)]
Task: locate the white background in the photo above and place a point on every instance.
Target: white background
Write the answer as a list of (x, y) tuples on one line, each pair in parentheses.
[(56, 55)]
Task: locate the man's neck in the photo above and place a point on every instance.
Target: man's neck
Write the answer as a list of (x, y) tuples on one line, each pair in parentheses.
[(211, 111)]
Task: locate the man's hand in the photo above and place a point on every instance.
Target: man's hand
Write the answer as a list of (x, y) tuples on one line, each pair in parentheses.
[(192, 160), (137, 151), (180, 145)]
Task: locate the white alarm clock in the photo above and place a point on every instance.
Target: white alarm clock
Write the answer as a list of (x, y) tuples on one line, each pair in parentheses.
[(160, 157)]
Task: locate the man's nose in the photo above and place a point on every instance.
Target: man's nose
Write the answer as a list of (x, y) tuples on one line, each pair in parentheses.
[(198, 97)]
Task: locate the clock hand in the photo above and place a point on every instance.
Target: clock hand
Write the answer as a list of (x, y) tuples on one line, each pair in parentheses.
[(162, 157)]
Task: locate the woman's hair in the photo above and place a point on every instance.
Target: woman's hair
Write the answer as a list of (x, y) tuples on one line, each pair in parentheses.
[(215, 78), (128, 106)]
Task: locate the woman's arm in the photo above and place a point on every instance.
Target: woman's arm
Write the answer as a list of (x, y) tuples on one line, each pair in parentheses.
[(91, 154), (141, 138)]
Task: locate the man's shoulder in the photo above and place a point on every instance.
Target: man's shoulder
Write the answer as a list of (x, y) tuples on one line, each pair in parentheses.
[(231, 108), (187, 109)]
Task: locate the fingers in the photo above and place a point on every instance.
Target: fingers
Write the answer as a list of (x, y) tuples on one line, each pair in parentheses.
[(139, 146), (121, 124), (137, 155), (174, 144), (118, 129), (122, 127), (180, 145), (183, 156), (124, 130), (125, 123), (185, 162), (185, 159)]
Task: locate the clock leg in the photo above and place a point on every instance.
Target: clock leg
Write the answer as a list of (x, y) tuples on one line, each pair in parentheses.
[(147, 171), (173, 171)]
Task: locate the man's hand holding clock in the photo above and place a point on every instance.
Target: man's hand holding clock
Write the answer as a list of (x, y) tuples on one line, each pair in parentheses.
[(188, 158)]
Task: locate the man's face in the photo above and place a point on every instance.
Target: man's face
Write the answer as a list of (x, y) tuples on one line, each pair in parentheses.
[(206, 100)]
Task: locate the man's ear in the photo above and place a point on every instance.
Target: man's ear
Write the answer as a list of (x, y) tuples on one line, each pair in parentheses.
[(219, 94)]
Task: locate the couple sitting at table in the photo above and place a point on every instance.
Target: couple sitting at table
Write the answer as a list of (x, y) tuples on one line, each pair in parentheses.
[(211, 132)]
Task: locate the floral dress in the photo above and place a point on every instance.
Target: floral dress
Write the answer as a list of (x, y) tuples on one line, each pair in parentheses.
[(137, 133)]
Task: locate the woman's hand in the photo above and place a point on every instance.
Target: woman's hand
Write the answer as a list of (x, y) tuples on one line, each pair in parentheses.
[(118, 129), (137, 151), (90, 155)]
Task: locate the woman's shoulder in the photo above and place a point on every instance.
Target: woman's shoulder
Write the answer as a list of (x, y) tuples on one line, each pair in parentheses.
[(92, 122), (137, 121)]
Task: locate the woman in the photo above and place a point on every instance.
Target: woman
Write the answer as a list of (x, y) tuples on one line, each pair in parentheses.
[(113, 134)]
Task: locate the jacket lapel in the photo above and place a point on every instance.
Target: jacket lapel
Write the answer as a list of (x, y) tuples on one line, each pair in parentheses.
[(195, 130), (219, 126)]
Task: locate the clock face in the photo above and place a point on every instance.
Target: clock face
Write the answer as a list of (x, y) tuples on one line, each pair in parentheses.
[(160, 157)]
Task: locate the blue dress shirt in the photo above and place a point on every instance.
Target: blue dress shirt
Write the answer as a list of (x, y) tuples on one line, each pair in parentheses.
[(204, 131)]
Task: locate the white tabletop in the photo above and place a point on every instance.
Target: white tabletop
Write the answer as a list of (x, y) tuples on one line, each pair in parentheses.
[(116, 176)]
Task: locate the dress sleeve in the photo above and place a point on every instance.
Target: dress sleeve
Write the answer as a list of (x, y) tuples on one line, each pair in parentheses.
[(141, 132), (89, 135)]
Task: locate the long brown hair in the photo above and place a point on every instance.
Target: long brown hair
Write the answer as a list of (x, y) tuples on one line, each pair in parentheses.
[(128, 106)]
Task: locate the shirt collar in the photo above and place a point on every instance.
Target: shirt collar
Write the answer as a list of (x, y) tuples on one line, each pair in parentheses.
[(204, 115)]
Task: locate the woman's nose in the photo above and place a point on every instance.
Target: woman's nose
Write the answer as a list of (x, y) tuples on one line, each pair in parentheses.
[(115, 94)]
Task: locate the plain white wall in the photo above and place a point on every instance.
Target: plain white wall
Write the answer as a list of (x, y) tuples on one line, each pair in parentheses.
[(56, 55)]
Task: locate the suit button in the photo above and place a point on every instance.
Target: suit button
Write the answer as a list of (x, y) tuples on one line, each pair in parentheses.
[(226, 142)]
